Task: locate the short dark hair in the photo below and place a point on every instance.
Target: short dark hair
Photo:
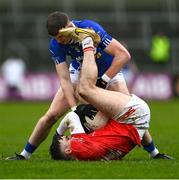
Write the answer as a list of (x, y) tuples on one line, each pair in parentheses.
[(56, 21), (55, 151)]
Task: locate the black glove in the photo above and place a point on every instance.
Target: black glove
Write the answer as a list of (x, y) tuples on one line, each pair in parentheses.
[(84, 110), (101, 83)]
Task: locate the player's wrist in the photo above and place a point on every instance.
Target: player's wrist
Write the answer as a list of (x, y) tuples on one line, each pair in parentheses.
[(103, 81), (87, 44), (105, 78)]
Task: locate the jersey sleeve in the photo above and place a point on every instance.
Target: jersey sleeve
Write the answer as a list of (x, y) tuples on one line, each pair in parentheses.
[(105, 37), (57, 52), (75, 123), (72, 122)]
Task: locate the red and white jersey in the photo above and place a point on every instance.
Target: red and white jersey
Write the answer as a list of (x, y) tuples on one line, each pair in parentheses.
[(111, 142)]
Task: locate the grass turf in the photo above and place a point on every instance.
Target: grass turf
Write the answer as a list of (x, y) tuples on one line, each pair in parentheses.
[(18, 119)]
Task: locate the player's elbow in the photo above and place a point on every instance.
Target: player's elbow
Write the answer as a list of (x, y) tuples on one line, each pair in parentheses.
[(83, 88), (125, 55), (128, 56)]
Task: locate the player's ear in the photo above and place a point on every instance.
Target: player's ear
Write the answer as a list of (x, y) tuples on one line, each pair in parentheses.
[(70, 24), (67, 151)]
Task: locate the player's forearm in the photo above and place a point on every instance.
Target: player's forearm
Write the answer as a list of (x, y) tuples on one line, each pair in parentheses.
[(66, 85), (121, 57), (69, 93), (117, 64)]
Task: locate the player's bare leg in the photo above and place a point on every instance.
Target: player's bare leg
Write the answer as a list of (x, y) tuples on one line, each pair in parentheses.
[(107, 101), (57, 108), (119, 86)]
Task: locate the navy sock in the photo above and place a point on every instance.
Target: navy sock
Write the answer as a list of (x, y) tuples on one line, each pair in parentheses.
[(149, 148), (30, 148)]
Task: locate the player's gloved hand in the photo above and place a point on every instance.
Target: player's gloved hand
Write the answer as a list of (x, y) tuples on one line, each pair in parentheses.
[(103, 81), (85, 111), (79, 34)]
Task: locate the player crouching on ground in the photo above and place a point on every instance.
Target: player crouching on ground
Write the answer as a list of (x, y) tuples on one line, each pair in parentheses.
[(111, 142)]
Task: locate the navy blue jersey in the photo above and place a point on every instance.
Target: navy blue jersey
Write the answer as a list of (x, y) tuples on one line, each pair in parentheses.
[(59, 52)]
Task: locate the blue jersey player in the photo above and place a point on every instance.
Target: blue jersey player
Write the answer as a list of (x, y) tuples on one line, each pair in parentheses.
[(110, 56)]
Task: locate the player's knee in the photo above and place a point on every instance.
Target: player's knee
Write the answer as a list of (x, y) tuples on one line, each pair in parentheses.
[(84, 88), (49, 118), (77, 93)]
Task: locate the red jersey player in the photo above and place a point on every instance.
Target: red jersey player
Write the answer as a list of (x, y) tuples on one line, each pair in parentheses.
[(111, 142)]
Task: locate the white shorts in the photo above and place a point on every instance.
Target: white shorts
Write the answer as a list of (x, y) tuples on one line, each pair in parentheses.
[(137, 113), (74, 75)]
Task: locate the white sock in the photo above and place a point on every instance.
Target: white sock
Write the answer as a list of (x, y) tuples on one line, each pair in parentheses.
[(154, 152), (26, 154)]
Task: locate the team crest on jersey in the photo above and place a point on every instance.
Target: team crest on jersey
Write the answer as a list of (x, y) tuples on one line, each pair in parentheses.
[(98, 55)]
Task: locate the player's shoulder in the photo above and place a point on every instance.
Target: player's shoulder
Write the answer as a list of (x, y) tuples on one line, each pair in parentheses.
[(87, 23), (55, 45), (53, 42)]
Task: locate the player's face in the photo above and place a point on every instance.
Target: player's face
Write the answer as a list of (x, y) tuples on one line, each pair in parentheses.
[(64, 39), (64, 144)]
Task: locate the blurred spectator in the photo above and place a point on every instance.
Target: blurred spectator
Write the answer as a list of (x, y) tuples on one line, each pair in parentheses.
[(13, 71), (176, 85), (160, 48)]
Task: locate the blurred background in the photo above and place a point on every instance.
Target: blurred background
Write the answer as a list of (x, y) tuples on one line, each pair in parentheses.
[(149, 30)]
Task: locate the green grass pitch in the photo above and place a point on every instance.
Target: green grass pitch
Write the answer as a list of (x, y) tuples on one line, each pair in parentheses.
[(18, 119)]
